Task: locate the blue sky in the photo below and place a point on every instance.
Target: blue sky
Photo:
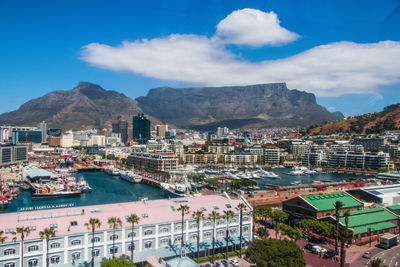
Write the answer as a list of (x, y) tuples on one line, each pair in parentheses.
[(338, 50)]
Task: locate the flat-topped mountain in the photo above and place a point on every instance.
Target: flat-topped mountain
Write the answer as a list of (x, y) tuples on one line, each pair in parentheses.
[(89, 105), (262, 105)]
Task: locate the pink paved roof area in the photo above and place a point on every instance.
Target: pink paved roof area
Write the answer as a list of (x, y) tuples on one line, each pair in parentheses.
[(158, 211)]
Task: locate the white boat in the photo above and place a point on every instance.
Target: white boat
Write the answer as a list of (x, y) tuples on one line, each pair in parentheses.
[(131, 177), (271, 175)]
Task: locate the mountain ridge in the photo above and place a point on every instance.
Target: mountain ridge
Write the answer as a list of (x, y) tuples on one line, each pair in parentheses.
[(203, 108)]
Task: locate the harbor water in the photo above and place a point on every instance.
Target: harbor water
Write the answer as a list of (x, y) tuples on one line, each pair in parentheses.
[(106, 189), (286, 179)]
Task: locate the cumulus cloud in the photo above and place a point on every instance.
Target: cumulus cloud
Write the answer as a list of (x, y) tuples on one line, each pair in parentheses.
[(327, 70), (254, 28)]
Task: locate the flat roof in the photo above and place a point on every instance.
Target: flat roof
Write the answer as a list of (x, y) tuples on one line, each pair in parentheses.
[(375, 218), (325, 202), (150, 213), (394, 208), (383, 191)]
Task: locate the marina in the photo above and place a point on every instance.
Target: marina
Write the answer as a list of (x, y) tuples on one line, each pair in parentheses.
[(106, 189)]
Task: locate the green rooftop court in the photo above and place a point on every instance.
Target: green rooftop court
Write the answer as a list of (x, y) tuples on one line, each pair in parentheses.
[(395, 209), (326, 202), (375, 218)]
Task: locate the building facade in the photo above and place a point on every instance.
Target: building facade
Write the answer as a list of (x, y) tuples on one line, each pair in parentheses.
[(11, 154), (200, 158), (121, 127), (141, 128), (158, 231), (162, 161)]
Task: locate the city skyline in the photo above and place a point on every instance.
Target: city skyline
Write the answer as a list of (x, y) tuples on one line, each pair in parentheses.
[(62, 43)]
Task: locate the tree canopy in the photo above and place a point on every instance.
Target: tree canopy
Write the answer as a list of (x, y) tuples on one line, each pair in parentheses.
[(319, 227), (274, 253), (117, 262)]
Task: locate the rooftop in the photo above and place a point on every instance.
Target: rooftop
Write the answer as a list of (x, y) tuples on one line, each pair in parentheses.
[(325, 202), (375, 218), (394, 209), (384, 191), (150, 213)]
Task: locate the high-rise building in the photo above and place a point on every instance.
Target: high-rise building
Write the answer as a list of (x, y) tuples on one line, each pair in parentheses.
[(22, 137), (141, 128), (161, 130), (121, 127), (43, 128)]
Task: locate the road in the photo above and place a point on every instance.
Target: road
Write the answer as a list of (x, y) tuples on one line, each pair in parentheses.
[(391, 257)]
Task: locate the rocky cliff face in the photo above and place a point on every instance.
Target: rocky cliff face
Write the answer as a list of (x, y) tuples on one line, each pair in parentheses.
[(263, 105), (87, 105)]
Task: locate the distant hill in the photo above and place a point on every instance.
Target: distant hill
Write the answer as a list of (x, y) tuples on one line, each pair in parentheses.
[(388, 119), (263, 105), (87, 105)]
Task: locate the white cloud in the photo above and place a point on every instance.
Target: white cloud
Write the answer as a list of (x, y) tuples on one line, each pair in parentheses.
[(254, 28), (328, 70)]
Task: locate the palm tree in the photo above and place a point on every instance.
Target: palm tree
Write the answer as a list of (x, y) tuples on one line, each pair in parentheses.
[(92, 225), (198, 216), (114, 223), (23, 232), (2, 238), (338, 206), (376, 262), (255, 216), (214, 217), (346, 216), (132, 219), (344, 236), (228, 216), (241, 207), (46, 234), (183, 209)]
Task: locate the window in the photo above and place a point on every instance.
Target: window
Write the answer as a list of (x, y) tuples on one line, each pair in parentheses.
[(221, 233), (76, 255), (96, 239), (96, 252), (245, 218), (245, 229), (55, 259), (177, 240), (54, 225), (144, 215), (164, 230), (113, 250), (148, 232), (113, 237), (132, 233), (229, 206), (178, 227), (33, 263), (75, 242), (9, 231), (55, 245), (9, 251), (9, 264), (74, 223), (233, 231), (193, 225), (32, 228), (193, 237), (148, 244), (33, 248), (207, 235), (131, 246), (164, 242), (207, 224)]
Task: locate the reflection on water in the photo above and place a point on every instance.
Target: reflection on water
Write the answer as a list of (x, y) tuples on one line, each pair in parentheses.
[(106, 189)]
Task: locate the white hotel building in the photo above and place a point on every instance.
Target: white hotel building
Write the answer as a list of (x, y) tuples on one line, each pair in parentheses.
[(157, 233)]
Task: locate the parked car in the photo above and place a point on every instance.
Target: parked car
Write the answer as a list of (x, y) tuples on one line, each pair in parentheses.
[(234, 263), (308, 247), (208, 265), (318, 250), (329, 254), (367, 255), (226, 263)]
